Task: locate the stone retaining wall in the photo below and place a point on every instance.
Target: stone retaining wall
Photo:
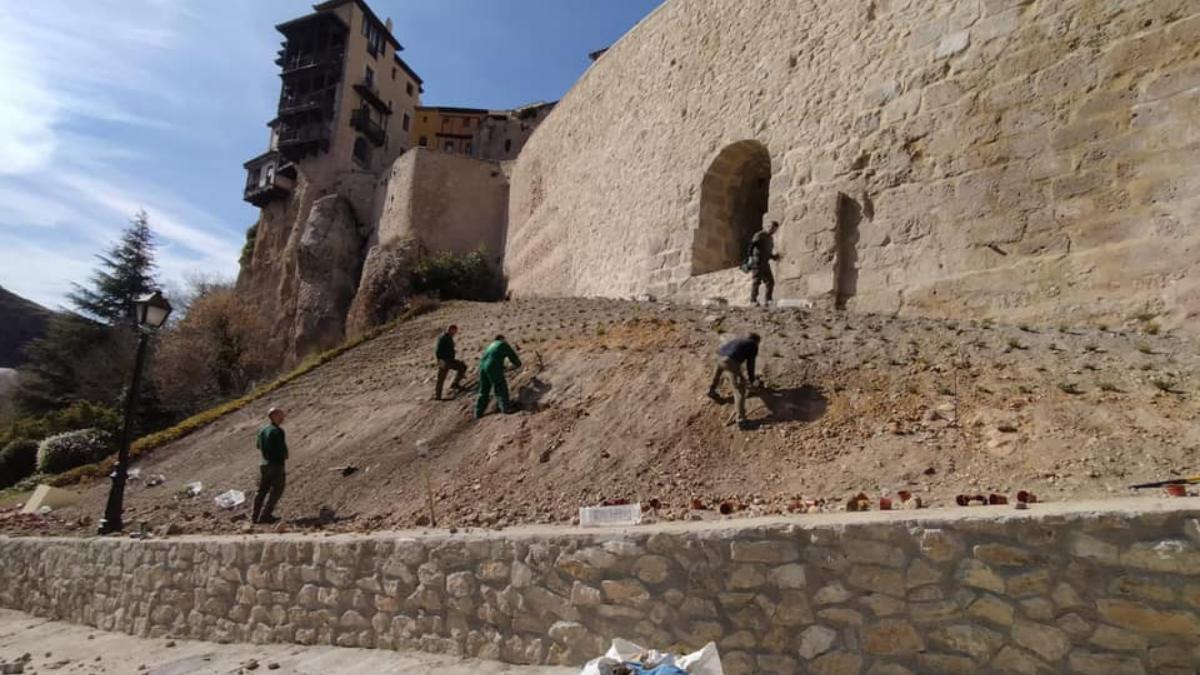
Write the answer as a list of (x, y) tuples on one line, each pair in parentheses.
[(1107, 591)]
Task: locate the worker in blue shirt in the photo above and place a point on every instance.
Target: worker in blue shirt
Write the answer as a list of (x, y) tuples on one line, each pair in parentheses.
[(731, 357)]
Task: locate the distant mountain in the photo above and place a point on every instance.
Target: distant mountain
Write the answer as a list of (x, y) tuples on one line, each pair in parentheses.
[(21, 321)]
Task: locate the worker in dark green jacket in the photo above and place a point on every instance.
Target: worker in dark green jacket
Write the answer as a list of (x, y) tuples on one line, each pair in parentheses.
[(491, 376), (446, 362), (272, 445)]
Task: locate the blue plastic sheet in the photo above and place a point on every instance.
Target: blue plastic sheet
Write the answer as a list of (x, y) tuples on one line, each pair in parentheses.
[(639, 669)]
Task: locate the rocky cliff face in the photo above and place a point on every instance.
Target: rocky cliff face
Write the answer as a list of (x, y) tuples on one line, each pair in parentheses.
[(328, 261), (304, 267), (335, 258)]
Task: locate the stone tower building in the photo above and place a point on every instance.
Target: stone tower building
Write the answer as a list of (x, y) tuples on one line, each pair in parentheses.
[(1028, 159)]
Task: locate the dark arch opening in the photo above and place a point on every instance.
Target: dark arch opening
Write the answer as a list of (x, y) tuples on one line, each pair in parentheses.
[(734, 195)]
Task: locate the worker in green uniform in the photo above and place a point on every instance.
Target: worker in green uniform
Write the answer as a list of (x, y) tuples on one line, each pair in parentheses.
[(762, 252), (272, 445), (447, 362), (491, 376)]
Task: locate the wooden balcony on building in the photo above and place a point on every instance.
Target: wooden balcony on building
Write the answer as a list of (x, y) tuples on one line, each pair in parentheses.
[(290, 62), (297, 141), (370, 94), (361, 119), (269, 176), (319, 102)]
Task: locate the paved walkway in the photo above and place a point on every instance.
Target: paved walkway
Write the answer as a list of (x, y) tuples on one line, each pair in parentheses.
[(56, 647)]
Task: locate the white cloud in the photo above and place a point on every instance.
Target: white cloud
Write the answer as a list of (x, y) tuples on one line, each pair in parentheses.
[(80, 80)]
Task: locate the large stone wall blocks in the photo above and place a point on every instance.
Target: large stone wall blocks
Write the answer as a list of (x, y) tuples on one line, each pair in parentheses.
[(1112, 590)]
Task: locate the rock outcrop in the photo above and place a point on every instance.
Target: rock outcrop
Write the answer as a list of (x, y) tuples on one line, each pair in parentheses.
[(328, 261), (385, 285)]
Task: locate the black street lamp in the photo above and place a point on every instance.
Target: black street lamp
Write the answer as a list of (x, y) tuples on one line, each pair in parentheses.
[(151, 312)]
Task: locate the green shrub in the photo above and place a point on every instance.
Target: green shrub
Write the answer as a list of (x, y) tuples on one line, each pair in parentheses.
[(248, 245), (84, 415), (68, 450), (18, 459), (78, 415), (456, 277)]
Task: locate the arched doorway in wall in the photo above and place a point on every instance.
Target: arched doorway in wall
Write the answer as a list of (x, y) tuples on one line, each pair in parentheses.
[(734, 195)]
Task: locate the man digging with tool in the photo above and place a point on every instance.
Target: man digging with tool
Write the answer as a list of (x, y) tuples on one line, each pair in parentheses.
[(491, 377), (730, 358)]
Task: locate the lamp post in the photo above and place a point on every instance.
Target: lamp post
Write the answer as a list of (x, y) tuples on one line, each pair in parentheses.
[(151, 312)]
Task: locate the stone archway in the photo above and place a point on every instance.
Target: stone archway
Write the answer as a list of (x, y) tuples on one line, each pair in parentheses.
[(734, 195)]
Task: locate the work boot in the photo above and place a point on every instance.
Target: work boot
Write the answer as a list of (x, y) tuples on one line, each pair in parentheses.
[(712, 393), (744, 425), (267, 520)]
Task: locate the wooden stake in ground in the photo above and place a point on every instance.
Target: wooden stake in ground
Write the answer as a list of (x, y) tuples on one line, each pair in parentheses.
[(423, 457)]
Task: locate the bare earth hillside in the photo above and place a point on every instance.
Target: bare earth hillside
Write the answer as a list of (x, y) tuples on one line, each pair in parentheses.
[(616, 409)]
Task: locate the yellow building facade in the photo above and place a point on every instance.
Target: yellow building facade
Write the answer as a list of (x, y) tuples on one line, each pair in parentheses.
[(447, 129)]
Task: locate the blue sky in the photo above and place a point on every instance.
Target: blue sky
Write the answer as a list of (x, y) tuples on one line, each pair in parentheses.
[(111, 106)]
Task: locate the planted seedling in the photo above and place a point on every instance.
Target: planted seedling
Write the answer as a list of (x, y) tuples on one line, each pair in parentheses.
[(1164, 385)]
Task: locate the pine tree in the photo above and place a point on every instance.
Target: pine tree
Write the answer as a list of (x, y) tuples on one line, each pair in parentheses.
[(85, 356), (126, 271)]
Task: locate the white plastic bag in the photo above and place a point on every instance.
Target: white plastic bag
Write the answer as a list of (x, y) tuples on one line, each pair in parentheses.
[(600, 516), (230, 499), (704, 662)]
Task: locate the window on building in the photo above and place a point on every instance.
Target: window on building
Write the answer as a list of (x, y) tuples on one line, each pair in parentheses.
[(369, 77), (423, 141), (362, 151), (449, 147), (508, 145), (408, 88), (375, 39), (466, 123), (468, 148), (405, 122), (393, 73)]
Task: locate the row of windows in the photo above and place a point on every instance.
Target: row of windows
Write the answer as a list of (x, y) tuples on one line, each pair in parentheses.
[(449, 146)]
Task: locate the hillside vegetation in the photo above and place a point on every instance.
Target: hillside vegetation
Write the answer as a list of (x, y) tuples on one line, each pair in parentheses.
[(21, 321)]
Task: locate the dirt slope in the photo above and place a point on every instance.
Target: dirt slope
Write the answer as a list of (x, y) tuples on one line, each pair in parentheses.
[(615, 403)]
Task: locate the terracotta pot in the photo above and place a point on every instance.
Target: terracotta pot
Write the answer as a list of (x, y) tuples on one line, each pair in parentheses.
[(1177, 490)]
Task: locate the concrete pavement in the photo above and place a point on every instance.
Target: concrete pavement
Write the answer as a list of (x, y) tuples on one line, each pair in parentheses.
[(55, 647)]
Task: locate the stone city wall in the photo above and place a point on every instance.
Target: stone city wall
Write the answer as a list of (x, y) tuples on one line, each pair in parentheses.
[(447, 202), (1110, 591), (1025, 159), (430, 202)]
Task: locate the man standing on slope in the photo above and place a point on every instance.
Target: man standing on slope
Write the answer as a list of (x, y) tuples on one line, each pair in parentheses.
[(730, 358), (272, 444), (447, 362), (762, 252), (491, 376)]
